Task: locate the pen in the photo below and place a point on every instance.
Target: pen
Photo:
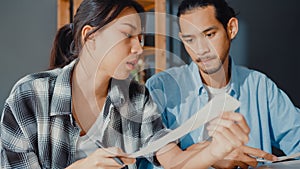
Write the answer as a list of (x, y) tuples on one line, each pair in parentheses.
[(118, 160), (258, 159)]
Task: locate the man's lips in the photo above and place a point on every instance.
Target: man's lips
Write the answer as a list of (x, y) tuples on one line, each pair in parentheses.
[(204, 59)]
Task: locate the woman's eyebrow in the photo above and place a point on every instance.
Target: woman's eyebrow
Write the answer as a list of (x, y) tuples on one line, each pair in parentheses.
[(130, 25)]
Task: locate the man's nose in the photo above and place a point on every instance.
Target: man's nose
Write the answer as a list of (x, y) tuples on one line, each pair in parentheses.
[(203, 47)]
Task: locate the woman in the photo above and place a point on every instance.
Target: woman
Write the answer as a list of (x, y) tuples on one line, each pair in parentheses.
[(53, 119)]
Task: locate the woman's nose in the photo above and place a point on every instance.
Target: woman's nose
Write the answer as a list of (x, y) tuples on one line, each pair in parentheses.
[(137, 47)]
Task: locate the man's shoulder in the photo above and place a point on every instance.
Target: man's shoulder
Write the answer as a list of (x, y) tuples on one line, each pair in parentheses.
[(254, 79), (174, 73), (249, 73)]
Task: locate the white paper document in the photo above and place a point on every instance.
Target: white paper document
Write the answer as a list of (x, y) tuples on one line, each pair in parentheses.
[(212, 109), (282, 158), (297, 155)]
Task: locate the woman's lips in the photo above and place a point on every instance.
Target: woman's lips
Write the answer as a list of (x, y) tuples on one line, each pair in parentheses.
[(131, 64)]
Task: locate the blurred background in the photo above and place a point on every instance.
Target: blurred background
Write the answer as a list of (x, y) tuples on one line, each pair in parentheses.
[(268, 39)]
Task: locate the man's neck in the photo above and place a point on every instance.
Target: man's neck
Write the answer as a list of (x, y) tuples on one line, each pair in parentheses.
[(218, 79)]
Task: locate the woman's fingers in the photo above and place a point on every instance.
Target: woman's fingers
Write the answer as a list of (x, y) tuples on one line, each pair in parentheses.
[(105, 157), (111, 152), (127, 161), (114, 152)]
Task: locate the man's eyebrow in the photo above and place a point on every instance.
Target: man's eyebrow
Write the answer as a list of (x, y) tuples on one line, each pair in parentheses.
[(204, 31), (209, 29)]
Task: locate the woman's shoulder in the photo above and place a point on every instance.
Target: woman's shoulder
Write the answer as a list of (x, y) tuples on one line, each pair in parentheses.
[(30, 93), (35, 80)]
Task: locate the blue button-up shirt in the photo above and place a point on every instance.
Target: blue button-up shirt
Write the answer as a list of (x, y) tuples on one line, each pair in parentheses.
[(272, 117)]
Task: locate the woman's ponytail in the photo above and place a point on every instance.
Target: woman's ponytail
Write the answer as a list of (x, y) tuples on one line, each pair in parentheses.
[(61, 52), (69, 42)]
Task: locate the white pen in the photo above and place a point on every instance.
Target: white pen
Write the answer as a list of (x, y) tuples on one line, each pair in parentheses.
[(260, 159)]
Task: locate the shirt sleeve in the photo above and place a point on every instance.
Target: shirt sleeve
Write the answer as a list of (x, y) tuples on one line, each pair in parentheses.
[(152, 125), (158, 94), (15, 146), (285, 120)]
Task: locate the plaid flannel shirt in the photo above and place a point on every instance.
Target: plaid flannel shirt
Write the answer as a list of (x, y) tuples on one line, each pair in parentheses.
[(39, 131)]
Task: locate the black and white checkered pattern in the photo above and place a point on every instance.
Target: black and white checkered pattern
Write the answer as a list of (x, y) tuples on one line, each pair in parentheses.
[(38, 130)]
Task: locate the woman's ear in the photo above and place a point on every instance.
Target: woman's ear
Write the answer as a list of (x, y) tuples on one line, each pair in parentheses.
[(232, 27), (84, 33)]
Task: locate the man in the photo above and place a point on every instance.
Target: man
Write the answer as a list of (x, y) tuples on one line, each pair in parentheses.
[(207, 28)]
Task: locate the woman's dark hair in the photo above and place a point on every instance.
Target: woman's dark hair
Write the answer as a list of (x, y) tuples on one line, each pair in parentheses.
[(96, 13), (223, 11)]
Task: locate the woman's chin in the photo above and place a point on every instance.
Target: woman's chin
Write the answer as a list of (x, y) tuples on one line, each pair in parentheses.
[(121, 76)]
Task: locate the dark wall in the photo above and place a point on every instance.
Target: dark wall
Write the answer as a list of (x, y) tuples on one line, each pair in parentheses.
[(271, 32), (27, 30), (268, 41)]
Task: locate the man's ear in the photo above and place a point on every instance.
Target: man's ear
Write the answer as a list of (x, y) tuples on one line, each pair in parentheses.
[(232, 27)]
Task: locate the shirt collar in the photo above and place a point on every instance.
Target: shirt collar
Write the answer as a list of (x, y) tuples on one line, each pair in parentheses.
[(62, 92), (196, 77), (117, 91), (234, 83)]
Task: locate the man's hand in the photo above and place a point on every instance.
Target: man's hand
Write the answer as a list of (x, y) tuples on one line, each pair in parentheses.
[(243, 157)]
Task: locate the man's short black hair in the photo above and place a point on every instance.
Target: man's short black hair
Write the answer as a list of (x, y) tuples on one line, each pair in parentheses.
[(222, 10)]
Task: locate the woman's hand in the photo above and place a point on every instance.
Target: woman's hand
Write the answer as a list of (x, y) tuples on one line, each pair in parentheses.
[(103, 158), (229, 132)]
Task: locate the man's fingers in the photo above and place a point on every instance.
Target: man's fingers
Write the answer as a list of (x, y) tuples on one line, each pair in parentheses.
[(234, 129), (228, 164), (198, 146), (258, 153), (241, 165), (249, 161), (238, 119), (220, 146), (227, 133)]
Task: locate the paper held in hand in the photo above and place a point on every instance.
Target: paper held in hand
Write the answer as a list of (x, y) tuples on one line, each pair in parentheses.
[(296, 155), (280, 159), (212, 109)]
